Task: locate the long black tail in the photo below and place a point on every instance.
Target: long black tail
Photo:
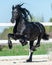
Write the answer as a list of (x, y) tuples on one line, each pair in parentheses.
[(45, 37)]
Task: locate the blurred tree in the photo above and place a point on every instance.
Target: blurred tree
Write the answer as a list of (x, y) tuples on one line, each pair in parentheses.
[(50, 29), (42, 19), (4, 34), (50, 20)]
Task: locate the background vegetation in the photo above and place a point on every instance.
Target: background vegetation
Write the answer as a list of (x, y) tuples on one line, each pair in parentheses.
[(19, 50)]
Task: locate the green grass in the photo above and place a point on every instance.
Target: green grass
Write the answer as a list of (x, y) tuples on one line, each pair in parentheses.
[(19, 50), (16, 50)]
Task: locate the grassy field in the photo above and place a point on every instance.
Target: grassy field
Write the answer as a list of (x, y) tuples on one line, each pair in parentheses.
[(19, 50)]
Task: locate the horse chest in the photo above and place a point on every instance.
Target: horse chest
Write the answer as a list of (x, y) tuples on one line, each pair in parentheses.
[(20, 28)]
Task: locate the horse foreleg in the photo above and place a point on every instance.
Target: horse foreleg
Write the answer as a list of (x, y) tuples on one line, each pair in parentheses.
[(31, 51), (9, 41), (15, 37)]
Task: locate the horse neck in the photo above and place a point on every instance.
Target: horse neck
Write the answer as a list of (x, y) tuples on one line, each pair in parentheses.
[(19, 20)]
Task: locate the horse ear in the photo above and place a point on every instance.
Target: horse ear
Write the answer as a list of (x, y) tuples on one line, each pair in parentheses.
[(13, 7), (21, 4)]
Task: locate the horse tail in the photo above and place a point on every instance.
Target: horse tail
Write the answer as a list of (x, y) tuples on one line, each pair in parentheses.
[(45, 36)]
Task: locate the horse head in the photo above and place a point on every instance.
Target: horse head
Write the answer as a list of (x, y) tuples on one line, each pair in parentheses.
[(16, 12)]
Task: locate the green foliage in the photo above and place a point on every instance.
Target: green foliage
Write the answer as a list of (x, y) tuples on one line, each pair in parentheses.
[(16, 50), (4, 34), (50, 20), (19, 50), (50, 28)]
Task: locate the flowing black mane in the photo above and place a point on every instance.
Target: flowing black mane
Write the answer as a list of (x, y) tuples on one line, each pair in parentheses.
[(25, 13)]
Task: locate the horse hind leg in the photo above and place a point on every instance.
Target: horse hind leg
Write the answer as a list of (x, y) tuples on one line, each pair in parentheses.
[(31, 51), (38, 42)]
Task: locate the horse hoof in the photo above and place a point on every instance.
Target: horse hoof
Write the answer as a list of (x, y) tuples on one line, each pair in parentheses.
[(10, 44), (29, 60)]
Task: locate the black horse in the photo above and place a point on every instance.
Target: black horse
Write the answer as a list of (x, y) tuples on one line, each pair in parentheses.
[(25, 30)]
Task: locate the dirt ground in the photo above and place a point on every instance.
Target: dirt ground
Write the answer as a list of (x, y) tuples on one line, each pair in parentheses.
[(21, 60), (25, 63)]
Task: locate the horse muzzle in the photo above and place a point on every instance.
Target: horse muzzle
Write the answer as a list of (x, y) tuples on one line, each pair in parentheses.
[(12, 20)]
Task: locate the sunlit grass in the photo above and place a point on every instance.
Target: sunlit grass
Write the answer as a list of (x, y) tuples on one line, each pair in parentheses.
[(20, 50)]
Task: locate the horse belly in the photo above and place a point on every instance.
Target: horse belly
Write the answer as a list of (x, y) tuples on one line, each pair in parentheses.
[(34, 36), (34, 33)]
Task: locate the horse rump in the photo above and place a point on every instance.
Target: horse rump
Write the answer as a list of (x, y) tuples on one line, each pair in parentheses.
[(45, 36)]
